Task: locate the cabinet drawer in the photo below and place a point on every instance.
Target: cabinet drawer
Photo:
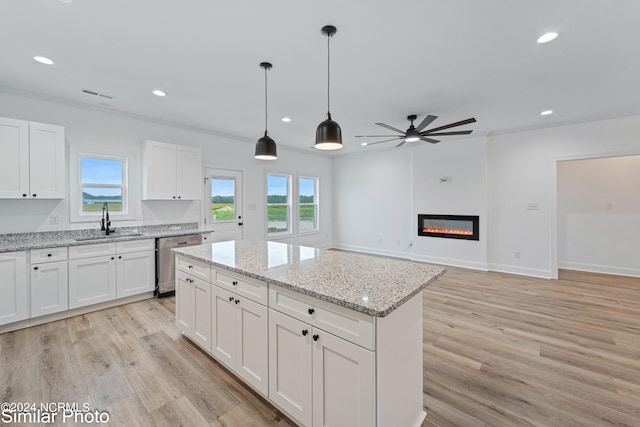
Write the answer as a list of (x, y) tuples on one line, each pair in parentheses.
[(195, 268), (135, 245), (245, 286), (48, 255), (353, 326), (88, 251)]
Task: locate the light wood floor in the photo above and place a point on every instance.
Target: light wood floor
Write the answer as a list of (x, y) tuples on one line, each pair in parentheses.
[(499, 350)]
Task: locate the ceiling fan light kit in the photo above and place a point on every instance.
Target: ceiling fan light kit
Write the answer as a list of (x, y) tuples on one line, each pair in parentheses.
[(328, 133), (265, 146), (416, 134)]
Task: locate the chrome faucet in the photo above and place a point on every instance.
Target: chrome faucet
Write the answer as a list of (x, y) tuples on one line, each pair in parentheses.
[(105, 223)]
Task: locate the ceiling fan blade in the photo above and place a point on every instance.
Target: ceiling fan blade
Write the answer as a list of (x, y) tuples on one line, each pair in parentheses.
[(426, 122), (425, 139), (390, 128), (460, 132), (386, 140), (377, 136), (450, 125), (404, 141)]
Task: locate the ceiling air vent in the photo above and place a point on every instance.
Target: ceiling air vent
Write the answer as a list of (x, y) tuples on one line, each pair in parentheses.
[(94, 93)]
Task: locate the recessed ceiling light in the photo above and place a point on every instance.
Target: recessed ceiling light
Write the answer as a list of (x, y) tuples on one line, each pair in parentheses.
[(546, 112), (158, 92), (547, 37), (363, 143), (286, 119), (43, 60)]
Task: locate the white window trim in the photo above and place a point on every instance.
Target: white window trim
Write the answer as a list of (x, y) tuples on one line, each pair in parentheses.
[(75, 194), (290, 219), (316, 203)]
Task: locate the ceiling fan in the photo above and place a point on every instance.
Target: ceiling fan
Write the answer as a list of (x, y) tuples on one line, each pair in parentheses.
[(414, 134)]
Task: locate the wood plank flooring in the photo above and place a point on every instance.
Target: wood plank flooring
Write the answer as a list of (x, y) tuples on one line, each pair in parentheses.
[(499, 350)]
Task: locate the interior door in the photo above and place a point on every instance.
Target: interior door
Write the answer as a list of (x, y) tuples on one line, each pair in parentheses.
[(223, 213)]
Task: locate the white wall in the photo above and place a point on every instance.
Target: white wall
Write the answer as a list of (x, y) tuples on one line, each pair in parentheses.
[(98, 130), (463, 162), (522, 169), (372, 199), (599, 215)]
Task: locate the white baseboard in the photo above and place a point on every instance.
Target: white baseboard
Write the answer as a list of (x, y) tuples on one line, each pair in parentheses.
[(598, 268), (523, 271)]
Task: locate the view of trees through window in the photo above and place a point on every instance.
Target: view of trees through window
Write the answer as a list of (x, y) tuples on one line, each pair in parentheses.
[(308, 204), (223, 199), (278, 203), (101, 181)]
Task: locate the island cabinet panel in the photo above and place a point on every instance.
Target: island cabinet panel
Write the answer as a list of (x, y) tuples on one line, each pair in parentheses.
[(241, 285), (194, 268), (185, 303), (239, 336), (290, 366), (14, 305)]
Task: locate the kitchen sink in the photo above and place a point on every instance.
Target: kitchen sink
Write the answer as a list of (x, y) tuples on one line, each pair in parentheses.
[(107, 237)]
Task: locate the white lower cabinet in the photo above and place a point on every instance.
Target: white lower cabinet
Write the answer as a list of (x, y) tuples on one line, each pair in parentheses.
[(92, 280), (136, 272), (14, 301), (239, 330), (49, 285), (193, 308), (318, 378)]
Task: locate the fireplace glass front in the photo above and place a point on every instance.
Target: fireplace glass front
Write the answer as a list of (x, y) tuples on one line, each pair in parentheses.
[(449, 226)]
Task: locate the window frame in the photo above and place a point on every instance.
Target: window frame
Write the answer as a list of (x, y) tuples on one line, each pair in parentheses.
[(235, 199), (316, 204), (75, 179), (289, 204)]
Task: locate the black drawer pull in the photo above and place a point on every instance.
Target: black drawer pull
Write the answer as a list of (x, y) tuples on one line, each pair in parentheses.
[(48, 254), (234, 283), (316, 337), (230, 299), (311, 311), (304, 332), (35, 268)]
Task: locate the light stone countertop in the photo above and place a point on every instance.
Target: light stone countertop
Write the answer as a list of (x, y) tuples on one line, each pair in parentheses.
[(365, 283), (53, 239)]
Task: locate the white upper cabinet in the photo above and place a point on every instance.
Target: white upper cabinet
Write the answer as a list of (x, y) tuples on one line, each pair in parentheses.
[(171, 172), (32, 164)]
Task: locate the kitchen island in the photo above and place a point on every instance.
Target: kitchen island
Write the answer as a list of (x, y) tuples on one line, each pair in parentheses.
[(330, 338)]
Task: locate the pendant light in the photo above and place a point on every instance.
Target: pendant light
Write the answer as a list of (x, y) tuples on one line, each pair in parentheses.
[(328, 134), (265, 146)]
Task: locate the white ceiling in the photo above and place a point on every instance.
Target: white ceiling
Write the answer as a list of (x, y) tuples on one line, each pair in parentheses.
[(451, 58)]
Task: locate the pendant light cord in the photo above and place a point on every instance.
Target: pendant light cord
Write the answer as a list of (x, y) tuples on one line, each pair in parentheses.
[(328, 76), (265, 101)]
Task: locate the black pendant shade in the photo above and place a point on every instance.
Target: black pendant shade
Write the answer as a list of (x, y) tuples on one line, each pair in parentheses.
[(328, 133), (265, 146)]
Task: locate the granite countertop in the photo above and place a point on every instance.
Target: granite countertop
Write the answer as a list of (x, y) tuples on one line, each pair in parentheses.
[(365, 283), (52, 239)]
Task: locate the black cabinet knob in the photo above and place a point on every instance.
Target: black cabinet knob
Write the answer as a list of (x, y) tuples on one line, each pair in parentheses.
[(49, 255), (174, 197), (234, 283), (179, 197), (34, 195), (237, 301), (24, 195), (120, 257), (113, 258), (191, 266), (304, 332), (311, 311), (316, 337), (35, 268), (230, 299)]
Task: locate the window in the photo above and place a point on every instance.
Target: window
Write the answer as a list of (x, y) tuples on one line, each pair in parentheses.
[(278, 204), (103, 179), (223, 199), (308, 207)]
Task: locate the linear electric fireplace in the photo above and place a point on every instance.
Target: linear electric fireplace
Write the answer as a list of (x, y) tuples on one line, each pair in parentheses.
[(449, 226)]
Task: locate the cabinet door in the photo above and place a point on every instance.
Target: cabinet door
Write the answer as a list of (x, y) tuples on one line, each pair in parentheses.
[(49, 287), (47, 161), (91, 280), (252, 362), (14, 162), (290, 366), (159, 171), (13, 287), (189, 173), (343, 382), (136, 273), (202, 314), (185, 301), (223, 326)]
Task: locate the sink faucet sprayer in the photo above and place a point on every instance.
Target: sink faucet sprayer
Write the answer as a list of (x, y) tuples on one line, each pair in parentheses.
[(105, 223)]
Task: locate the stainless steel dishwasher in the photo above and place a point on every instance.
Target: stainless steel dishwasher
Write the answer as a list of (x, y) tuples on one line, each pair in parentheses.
[(166, 261)]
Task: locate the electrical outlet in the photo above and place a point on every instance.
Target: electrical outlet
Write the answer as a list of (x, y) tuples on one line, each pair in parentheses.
[(53, 219), (533, 206), (609, 206), (516, 254), (380, 240)]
